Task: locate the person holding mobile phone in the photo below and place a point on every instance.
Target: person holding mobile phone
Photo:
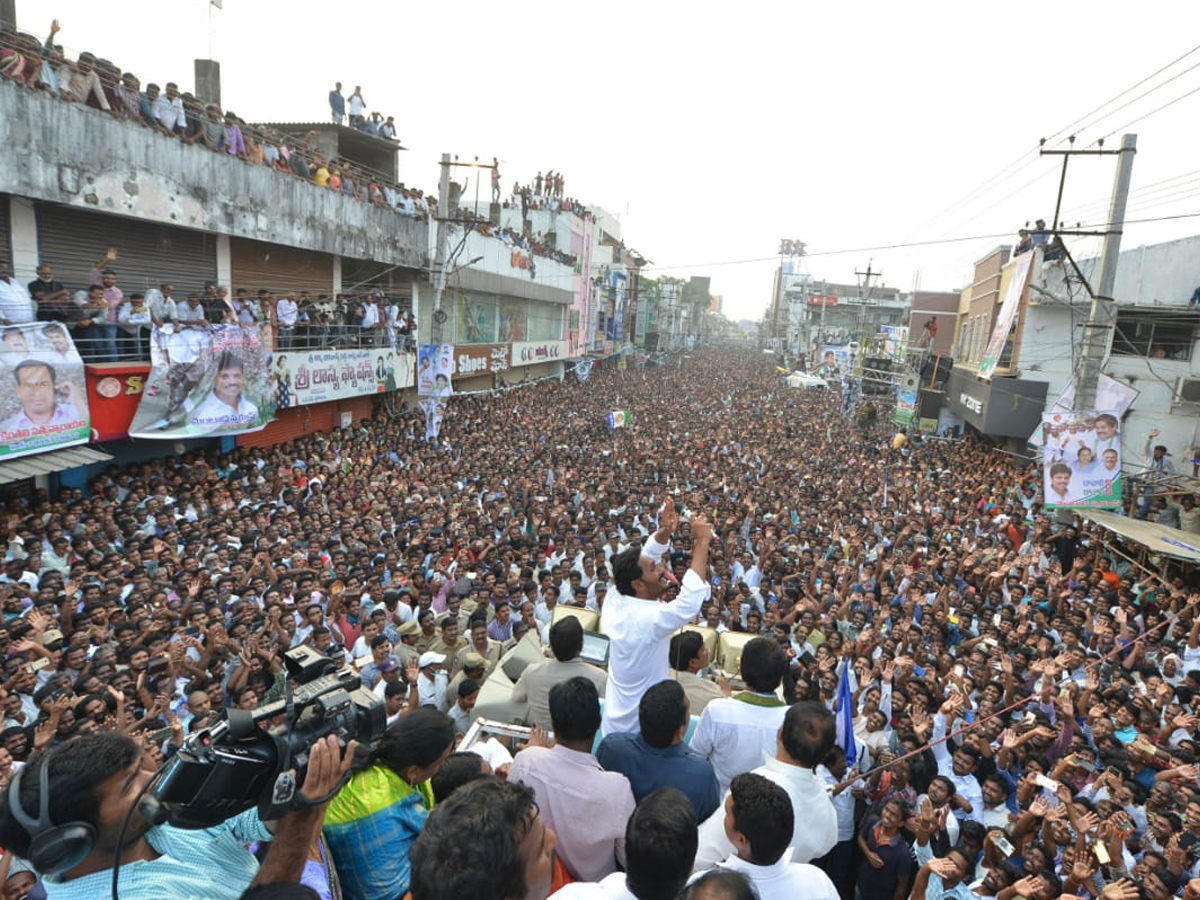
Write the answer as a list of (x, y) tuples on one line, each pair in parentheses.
[(960, 766)]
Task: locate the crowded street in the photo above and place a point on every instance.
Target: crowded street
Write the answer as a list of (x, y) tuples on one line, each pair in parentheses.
[(948, 605)]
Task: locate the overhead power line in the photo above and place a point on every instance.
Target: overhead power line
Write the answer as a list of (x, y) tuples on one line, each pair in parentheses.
[(992, 182), (900, 246)]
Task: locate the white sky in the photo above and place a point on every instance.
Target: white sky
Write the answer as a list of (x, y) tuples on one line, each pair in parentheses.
[(716, 130)]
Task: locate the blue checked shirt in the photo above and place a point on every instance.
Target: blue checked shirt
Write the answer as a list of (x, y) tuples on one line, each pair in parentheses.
[(212, 864)]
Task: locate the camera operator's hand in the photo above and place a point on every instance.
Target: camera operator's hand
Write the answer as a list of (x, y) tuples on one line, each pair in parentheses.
[(296, 831), (327, 766)]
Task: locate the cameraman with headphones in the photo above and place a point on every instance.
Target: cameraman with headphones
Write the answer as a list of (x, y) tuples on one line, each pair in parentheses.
[(64, 812)]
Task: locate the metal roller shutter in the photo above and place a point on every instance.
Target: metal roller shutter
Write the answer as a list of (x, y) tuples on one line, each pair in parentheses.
[(258, 265), (5, 228), (71, 240), (303, 421), (360, 275)]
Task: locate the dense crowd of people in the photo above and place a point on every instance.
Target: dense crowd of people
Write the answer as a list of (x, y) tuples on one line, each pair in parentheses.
[(944, 693), (102, 85)]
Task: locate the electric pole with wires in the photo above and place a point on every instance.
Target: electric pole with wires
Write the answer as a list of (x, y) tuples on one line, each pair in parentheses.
[(1097, 337)]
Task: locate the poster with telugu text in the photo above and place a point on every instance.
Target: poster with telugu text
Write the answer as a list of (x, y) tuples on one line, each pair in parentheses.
[(43, 402), (1082, 459), (206, 380)]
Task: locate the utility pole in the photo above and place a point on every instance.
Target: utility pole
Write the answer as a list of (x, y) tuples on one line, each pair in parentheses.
[(820, 327), (439, 255), (1097, 337), (864, 294)]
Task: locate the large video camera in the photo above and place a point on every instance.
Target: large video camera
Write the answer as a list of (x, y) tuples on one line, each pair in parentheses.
[(240, 762)]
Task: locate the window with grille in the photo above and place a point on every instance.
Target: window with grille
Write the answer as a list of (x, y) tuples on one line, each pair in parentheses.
[(1158, 334)]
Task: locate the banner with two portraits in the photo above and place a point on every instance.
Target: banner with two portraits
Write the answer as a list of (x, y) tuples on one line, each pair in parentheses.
[(1081, 459)]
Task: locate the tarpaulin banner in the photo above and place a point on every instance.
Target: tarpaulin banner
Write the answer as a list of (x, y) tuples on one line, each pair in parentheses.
[(906, 406), (1110, 394), (583, 370), (434, 410), (1007, 315), (435, 370), (43, 398), (206, 380), (1082, 459), (304, 377)]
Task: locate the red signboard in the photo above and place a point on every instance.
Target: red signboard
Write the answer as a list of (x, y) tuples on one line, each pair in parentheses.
[(822, 300), (114, 391)]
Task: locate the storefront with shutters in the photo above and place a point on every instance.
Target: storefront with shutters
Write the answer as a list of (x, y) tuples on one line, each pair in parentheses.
[(72, 240), (302, 421), (256, 265)]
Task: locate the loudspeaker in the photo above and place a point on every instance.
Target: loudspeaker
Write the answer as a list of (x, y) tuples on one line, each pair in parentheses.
[(53, 849)]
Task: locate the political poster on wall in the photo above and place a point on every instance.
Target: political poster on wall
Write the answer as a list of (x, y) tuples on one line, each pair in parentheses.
[(435, 370), (301, 378), (43, 401), (1110, 394), (1082, 459), (206, 380)]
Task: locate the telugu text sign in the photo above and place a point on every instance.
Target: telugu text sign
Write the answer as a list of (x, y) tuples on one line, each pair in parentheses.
[(44, 402), (529, 353), (316, 376)]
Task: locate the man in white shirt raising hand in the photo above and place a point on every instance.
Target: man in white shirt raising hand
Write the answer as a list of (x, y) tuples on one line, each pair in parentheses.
[(637, 622)]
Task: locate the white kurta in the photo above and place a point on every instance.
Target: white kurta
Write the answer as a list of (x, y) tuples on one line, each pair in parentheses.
[(640, 632)]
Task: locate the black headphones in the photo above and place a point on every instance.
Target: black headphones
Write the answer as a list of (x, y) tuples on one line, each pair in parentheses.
[(53, 849)]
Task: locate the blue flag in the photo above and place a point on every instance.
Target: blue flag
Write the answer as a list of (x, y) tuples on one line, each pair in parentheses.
[(845, 716)]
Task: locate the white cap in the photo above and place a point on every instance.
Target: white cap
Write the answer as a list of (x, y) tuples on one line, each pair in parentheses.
[(429, 658)]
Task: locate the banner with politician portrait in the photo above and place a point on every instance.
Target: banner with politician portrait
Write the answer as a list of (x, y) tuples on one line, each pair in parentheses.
[(435, 370), (43, 401), (206, 380), (435, 411), (1082, 459)]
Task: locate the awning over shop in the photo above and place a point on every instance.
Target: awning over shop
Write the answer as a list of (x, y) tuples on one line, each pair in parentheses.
[(45, 463), (1155, 538)]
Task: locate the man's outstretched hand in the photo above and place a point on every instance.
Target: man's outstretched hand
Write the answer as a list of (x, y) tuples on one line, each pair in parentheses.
[(668, 521)]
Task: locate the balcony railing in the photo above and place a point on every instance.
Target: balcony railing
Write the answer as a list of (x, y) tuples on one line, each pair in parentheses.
[(131, 344)]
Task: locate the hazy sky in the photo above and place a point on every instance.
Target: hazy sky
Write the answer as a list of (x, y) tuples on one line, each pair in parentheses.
[(715, 130)]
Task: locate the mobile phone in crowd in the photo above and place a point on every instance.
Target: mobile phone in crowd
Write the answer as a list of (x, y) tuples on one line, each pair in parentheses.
[(1046, 782), (38, 664), (1002, 844)]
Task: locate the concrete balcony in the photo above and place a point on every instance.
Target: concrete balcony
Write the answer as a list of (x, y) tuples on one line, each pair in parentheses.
[(68, 153)]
